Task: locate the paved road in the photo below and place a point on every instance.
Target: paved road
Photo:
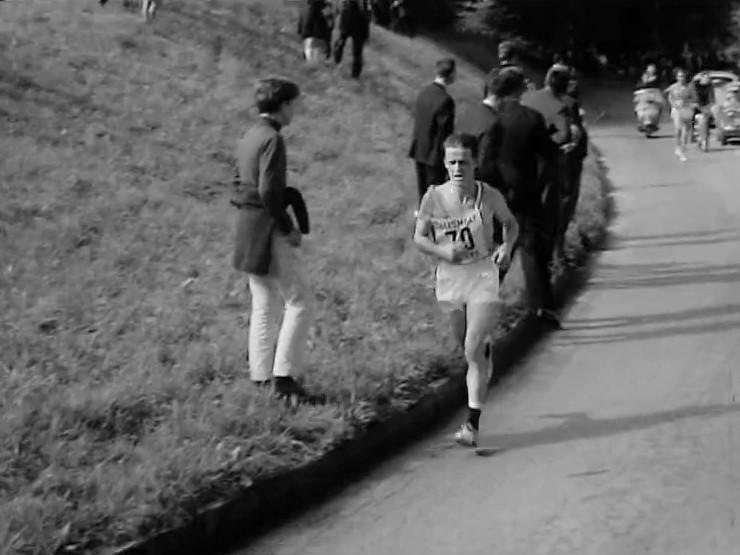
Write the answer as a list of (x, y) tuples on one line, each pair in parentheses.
[(621, 433)]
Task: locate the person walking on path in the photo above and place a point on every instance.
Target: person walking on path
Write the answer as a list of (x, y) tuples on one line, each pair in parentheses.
[(313, 28), (434, 121), (354, 22), (267, 245), (523, 140), (455, 225)]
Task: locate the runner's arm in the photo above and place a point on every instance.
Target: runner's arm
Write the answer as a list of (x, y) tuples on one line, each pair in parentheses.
[(424, 233)]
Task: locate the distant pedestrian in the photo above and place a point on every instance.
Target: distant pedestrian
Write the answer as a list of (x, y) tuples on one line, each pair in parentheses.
[(267, 245), (313, 28), (354, 22), (434, 121)]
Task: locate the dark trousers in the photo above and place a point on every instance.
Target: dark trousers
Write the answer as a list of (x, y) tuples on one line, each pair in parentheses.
[(429, 175), (534, 247), (358, 43), (569, 196)]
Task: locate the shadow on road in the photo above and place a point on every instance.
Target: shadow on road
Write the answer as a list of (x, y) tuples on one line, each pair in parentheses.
[(649, 275), (579, 426)]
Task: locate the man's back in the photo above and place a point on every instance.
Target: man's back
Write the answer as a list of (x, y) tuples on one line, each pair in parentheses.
[(433, 121), (556, 112), (522, 139), (480, 120)]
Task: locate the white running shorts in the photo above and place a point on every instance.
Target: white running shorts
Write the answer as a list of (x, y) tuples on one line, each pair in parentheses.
[(460, 284)]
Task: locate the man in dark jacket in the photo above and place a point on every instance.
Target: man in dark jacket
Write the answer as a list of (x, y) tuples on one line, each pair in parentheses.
[(434, 121), (267, 244), (522, 140), (354, 22), (563, 175)]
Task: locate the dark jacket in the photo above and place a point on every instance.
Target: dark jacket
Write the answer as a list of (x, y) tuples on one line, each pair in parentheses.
[(312, 22), (522, 141), (480, 121), (353, 18), (434, 121), (262, 167), (556, 111)]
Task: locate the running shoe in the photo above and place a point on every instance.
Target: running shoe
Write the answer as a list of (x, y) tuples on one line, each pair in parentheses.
[(466, 436)]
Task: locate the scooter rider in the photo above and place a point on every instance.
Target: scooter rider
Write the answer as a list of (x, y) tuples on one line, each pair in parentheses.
[(649, 79), (704, 91)]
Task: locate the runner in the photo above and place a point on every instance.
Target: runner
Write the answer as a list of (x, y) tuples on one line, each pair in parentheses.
[(682, 99), (455, 225)]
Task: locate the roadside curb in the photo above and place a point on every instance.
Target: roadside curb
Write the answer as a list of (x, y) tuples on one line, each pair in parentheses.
[(273, 500)]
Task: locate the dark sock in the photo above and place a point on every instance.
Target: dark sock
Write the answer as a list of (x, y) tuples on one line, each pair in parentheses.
[(474, 417)]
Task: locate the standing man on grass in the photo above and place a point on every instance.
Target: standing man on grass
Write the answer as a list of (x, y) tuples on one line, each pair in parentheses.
[(434, 121), (523, 141), (354, 22), (267, 245), (563, 120)]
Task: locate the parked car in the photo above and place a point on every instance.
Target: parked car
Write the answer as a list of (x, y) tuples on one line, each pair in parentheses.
[(728, 115)]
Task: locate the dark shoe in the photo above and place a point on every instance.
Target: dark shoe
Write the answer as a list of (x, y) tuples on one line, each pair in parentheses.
[(293, 393), (548, 317), (262, 383)]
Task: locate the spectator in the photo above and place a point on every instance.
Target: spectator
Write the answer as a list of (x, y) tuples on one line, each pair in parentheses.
[(480, 121), (508, 57), (563, 120), (313, 28), (434, 121), (267, 243), (402, 21), (524, 138), (354, 22)]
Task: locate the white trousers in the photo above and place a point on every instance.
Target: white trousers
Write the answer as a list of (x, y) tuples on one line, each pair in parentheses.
[(313, 50), (277, 349)]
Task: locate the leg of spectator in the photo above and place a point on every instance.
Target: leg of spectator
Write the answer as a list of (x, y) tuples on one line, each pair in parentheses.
[(291, 343), (266, 304), (339, 47), (358, 44), (421, 179)]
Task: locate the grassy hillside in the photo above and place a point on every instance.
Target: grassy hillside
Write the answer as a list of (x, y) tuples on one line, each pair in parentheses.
[(124, 394)]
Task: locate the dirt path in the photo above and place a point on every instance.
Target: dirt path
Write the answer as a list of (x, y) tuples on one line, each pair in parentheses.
[(621, 434)]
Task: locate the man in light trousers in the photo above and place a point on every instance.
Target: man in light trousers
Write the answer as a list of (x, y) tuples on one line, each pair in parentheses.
[(268, 246)]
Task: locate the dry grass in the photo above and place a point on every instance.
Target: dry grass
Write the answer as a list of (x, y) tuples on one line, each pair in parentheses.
[(123, 389)]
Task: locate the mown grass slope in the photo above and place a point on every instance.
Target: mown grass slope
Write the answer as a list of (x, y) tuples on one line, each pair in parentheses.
[(124, 395)]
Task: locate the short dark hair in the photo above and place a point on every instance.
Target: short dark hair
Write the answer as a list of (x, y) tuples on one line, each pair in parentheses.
[(462, 140), (510, 80), (557, 78), (445, 68), (273, 92), (505, 50)]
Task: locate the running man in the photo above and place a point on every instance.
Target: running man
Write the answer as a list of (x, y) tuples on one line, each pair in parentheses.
[(682, 100), (455, 224)]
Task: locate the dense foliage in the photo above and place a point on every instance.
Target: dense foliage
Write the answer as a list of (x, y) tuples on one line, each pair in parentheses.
[(617, 28)]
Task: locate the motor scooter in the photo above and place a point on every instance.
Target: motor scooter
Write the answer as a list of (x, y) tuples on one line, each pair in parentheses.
[(648, 110)]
